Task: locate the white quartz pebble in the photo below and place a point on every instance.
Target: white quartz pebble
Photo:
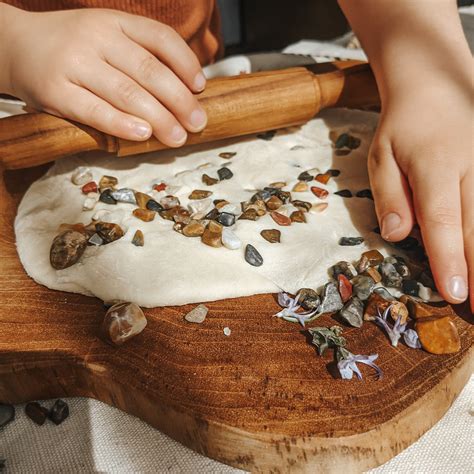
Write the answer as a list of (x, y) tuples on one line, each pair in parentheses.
[(230, 240)]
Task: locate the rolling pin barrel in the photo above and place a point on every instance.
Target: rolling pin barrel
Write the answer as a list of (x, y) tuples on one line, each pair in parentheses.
[(235, 106)]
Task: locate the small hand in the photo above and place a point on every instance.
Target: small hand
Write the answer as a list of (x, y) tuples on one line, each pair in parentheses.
[(421, 169), (123, 74)]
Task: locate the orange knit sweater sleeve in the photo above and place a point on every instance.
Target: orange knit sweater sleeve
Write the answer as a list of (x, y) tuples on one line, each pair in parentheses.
[(197, 21)]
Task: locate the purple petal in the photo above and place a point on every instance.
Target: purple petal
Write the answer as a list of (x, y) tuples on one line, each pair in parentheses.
[(410, 336)]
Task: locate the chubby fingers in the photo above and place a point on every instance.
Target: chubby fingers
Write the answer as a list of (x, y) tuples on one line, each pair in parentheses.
[(437, 203), (391, 193)]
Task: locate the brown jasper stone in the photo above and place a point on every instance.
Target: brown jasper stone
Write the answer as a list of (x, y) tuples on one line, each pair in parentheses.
[(144, 214), (258, 205), (277, 185), (374, 303), (300, 187), (298, 216), (220, 203), (67, 248), (169, 214), (374, 274), (419, 310), (178, 227), (212, 235), (206, 179), (271, 235), (122, 322), (302, 205), (107, 182), (397, 310), (249, 215), (370, 258), (280, 219), (182, 216), (438, 336), (142, 199), (108, 231), (345, 287), (323, 178), (319, 192), (194, 229), (319, 207), (199, 194), (274, 203), (138, 239)]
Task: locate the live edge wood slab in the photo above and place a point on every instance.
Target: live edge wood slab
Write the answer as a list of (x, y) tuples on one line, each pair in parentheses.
[(260, 399)]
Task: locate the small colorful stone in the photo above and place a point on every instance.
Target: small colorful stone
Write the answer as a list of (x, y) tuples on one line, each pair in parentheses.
[(106, 197), (108, 182), (226, 219), (438, 336), (193, 229), (331, 299), (37, 413), (319, 192), (342, 141), (220, 203), (252, 256), (232, 208), (274, 203), (362, 286), (227, 331), (122, 322), (352, 312), (280, 219), (345, 193), (350, 241), (206, 179), (59, 412), (374, 274), (300, 187), (124, 195), (197, 315), (390, 276), (212, 234), (90, 187), (178, 227), (368, 259), (305, 176), (169, 202), (109, 231), (323, 178), (308, 299), (96, 240), (224, 173), (277, 185), (154, 206), (343, 268), (142, 199), (298, 216), (365, 193), (144, 214), (67, 248), (138, 238), (199, 194), (227, 154), (90, 201), (81, 176), (398, 311), (271, 235), (212, 215), (230, 239), (344, 286), (249, 215), (159, 187), (319, 207)]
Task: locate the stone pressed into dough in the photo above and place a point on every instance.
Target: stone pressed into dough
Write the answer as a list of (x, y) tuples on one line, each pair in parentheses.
[(171, 269)]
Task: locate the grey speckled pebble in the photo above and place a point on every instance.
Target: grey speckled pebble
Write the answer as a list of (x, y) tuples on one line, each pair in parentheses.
[(197, 314), (353, 311), (124, 195), (331, 299), (390, 276), (252, 256), (362, 286)]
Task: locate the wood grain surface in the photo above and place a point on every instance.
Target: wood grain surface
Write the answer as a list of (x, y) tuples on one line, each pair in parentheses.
[(260, 399)]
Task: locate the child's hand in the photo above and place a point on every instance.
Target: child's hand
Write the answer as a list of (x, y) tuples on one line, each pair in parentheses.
[(421, 167), (123, 74)]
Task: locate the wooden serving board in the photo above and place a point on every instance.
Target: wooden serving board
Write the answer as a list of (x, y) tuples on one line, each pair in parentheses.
[(260, 399)]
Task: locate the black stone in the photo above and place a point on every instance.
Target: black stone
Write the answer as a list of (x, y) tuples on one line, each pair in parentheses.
[(343, 268), (334, 173), (7, 414), (305, 176), (308, 299), (409, 243), (344, 193), (59, 412), (362, 286), (262, 195), (106, 197), (226, 219), (36, 412), (376, 230), (353, 312), (410, 287), (284, 196), (365, 193), (331, 299), (252, 256), (402, 269), (267, 135), (390, 276), (350, 241), (271, 191), (152, 205), (342, 141), (212, 215), (426, 279), (353, 143), (224, 173)]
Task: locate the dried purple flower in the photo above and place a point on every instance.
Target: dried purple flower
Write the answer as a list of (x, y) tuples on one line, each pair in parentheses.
[(347, 364), (291, 306), (410, 336), (394, 333)]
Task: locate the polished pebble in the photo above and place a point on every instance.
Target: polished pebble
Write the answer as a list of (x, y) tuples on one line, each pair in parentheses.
[(309, 299), (346, 193), (126, 195), (230, 239), (350, 241), (144, 214), (67, 248), (199, 194), (319, 192), (271, 235), (280, 219), (37, 413), (197, 315), (90, 187), (106, 197), (81, 176), (59, 412), (208, 180), (138, 238), (226, 219), (252, 256), (300, 187), (224, 173), (352, 312), (122, 322)]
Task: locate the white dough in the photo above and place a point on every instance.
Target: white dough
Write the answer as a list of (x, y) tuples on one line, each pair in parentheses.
[(171, 269)]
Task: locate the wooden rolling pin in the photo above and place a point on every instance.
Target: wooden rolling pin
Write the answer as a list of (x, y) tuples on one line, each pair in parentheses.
[(235, 106)]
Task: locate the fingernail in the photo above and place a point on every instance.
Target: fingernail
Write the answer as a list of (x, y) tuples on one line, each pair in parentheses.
[(199, 81), (198, 118), (141, 129), (178, 134), (457, 288), (390, 223)]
